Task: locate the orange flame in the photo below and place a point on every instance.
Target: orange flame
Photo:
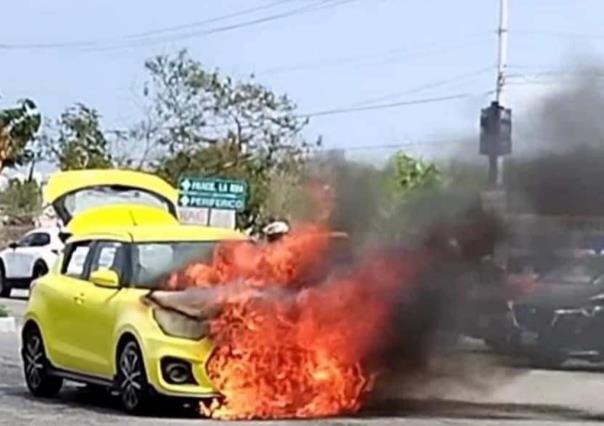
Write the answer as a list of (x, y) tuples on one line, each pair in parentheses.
[(286, 347)]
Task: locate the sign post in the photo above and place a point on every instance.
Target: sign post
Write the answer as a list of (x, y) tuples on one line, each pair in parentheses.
[(210, 201)]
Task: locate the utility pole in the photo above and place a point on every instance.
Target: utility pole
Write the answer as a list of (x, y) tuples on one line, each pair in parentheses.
[(502, 53), (496, 120), (496, 161), (496, 137)]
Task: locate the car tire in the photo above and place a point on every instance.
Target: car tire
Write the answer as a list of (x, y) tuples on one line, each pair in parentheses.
[(5, 288), (498, 346), (40, 269), (131, 379), (36, 366), (547, 361)]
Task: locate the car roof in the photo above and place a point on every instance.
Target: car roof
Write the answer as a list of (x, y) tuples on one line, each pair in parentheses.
[(48, 229), (162, 233)]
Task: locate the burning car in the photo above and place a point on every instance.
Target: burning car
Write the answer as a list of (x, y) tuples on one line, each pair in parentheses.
[(562, 316), (84, 320)]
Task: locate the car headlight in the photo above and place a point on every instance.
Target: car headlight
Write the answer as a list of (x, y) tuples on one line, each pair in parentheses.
[(179, 325), (594, 308), (595, 305)]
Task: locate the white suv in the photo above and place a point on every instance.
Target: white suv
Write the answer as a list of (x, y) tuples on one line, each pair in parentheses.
[(29, 258)]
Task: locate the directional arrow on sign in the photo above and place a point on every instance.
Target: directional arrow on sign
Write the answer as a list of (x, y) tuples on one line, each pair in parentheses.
[(186, 184), (184, 200)]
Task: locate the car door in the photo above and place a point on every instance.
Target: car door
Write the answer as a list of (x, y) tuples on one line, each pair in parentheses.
[(63, 300), (99, 307), (12, 254), (20, 261)]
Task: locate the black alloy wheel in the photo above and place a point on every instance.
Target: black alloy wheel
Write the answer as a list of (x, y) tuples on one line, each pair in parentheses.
[(132, 380), (36, 367)]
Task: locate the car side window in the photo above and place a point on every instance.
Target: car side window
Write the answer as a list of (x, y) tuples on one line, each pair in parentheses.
[(39, 239), (74, 264), (110, 255), (25, 241)]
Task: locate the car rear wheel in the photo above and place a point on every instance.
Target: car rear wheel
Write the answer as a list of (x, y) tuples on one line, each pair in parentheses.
[(135, 393), (36, 366), (40, 269), (4, 286)]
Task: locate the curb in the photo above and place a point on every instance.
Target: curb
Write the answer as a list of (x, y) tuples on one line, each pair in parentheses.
[(8, 325)]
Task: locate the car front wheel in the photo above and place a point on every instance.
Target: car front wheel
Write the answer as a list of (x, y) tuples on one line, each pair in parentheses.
[(547, 359), (135, 393), (36, 366)]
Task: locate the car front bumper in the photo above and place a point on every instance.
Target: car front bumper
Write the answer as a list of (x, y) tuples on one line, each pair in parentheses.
[(195, 353), (572, 332)]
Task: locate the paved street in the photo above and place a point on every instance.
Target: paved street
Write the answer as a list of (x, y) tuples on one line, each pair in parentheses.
[(489, 394), (16, 304)]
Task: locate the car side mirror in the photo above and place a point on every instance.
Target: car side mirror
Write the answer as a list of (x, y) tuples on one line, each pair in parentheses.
[(64, 236), (13, 245), (105, 278)]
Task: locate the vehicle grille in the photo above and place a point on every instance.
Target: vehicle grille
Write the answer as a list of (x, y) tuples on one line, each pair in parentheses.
[(533, 318)]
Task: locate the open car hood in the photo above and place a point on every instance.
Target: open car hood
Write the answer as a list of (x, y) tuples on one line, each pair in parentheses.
[(118, 215), (73, 193)]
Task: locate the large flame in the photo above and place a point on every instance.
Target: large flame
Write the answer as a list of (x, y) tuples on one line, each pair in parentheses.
[(291, 339)]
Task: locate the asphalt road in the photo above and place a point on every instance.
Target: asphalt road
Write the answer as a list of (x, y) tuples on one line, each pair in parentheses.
[(468, 387)]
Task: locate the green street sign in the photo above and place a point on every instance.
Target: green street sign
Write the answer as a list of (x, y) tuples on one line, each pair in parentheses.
[(209, 193)]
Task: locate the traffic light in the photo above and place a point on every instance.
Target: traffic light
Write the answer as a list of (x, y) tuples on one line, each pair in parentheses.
[(496, 130)]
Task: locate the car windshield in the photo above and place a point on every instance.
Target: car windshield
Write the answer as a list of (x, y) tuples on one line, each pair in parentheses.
[(152, 261), (581, 271), (88, 198)]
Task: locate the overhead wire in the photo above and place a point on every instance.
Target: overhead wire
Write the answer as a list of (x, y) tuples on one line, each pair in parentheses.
[(322, 4), (228, 16), (388, 57), (384, 106), (421, 88), (137, 40), (390, 146), (558, 34)]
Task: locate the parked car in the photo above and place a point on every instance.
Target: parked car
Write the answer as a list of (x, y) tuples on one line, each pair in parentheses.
[(85, 321), (562, 316), (28, 258)]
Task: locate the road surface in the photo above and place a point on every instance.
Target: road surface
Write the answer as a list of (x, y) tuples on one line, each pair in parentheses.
[(466, 388)]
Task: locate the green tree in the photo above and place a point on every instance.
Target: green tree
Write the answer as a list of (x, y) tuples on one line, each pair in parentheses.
[(18, 127), (77, 140), (376, 202), (193, 107), (203, 123), (21, 201), (406, 184), (410, 174)]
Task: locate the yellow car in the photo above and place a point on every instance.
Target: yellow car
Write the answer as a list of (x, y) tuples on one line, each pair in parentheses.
[(85, 319)]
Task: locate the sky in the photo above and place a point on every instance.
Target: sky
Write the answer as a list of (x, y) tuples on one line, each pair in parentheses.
[(324, 54)]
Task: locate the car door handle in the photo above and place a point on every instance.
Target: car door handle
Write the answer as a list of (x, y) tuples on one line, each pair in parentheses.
[(79, 299)]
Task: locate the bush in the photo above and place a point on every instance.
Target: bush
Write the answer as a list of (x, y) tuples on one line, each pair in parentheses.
[(3, 311), (21, 201)]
